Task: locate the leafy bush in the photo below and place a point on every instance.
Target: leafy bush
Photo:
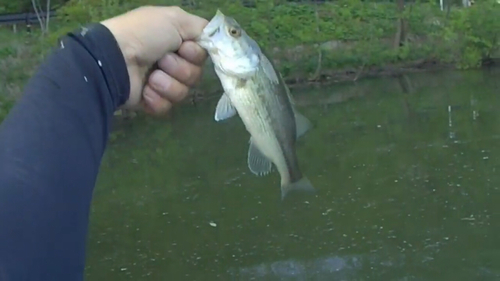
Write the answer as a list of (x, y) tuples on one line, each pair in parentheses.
[(476, 32), (466, 36), (357, 33), (5, 106)]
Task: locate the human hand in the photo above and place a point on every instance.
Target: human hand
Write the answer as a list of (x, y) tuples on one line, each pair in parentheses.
[(163, 35)]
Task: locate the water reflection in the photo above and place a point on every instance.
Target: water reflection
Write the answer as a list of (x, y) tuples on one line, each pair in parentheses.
[(398, 197), (341, 268)]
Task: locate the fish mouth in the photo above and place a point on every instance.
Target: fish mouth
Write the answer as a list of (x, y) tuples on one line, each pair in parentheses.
[(214, 25), (213, 33)]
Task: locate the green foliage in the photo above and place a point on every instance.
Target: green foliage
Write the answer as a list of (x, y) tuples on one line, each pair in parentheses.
[(19, 6), (476, 31), (5, 106), (351, 33), (465, 37), (23, 6)]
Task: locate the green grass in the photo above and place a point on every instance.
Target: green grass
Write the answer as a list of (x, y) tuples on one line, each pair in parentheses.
[(17, 61), (359, 36)]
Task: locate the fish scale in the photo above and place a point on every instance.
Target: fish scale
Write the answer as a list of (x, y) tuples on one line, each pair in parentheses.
[(259, 123), (257, 93)]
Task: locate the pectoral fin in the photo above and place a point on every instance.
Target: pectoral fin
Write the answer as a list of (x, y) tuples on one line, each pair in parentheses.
[(224, 109), (257, 162)]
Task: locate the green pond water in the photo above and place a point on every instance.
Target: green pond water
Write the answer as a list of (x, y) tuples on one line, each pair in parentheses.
[(407, 172)]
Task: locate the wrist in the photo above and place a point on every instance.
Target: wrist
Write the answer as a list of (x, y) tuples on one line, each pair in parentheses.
[(129, 48), (103, 48)]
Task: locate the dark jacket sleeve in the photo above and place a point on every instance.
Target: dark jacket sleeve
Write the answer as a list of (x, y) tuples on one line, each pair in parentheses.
[(51, 145)]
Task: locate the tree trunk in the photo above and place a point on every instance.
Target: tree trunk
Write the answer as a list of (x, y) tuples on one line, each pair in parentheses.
[(37, 12), (400, 36), (47, 17), (317, 73)]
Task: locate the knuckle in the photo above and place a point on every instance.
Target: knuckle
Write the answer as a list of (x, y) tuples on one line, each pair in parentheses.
[(144, 9), (183, 91), (175, 10), (194, 75), (188, 74), (176, 92)]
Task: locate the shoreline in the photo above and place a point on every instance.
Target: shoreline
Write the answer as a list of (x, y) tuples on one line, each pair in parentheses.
[(298, 64), (210, 88)]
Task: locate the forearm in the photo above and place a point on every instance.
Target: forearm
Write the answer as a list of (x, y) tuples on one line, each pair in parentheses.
[(51, 145)]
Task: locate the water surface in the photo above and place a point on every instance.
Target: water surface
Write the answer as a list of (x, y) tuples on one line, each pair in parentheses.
[(406, 173)]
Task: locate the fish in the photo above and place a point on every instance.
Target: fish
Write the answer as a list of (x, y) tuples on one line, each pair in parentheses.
[(257, 93)]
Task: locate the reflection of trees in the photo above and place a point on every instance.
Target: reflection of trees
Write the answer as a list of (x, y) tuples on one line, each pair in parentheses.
[(406, 90)]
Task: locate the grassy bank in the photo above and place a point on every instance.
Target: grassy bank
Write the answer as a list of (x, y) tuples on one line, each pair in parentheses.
[(333, 41)]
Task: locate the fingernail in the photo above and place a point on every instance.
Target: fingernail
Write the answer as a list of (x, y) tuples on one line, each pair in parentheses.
[(169, 63), (172, 60), (191, 51), (148, 98), (159, 81)]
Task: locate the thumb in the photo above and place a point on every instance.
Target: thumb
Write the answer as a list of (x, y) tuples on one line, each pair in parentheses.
[(188, 26), (147, 33)]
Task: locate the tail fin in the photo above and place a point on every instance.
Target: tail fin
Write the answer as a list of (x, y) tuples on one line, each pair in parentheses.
[(301, 185)]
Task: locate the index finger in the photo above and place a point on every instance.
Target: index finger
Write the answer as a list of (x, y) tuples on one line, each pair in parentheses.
[(192, 52), (188, 25)]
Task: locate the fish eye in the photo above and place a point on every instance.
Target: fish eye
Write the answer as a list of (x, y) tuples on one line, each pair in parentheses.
[(235, 32)]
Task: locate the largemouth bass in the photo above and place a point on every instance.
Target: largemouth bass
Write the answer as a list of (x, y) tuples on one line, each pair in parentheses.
[(257, 93)]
